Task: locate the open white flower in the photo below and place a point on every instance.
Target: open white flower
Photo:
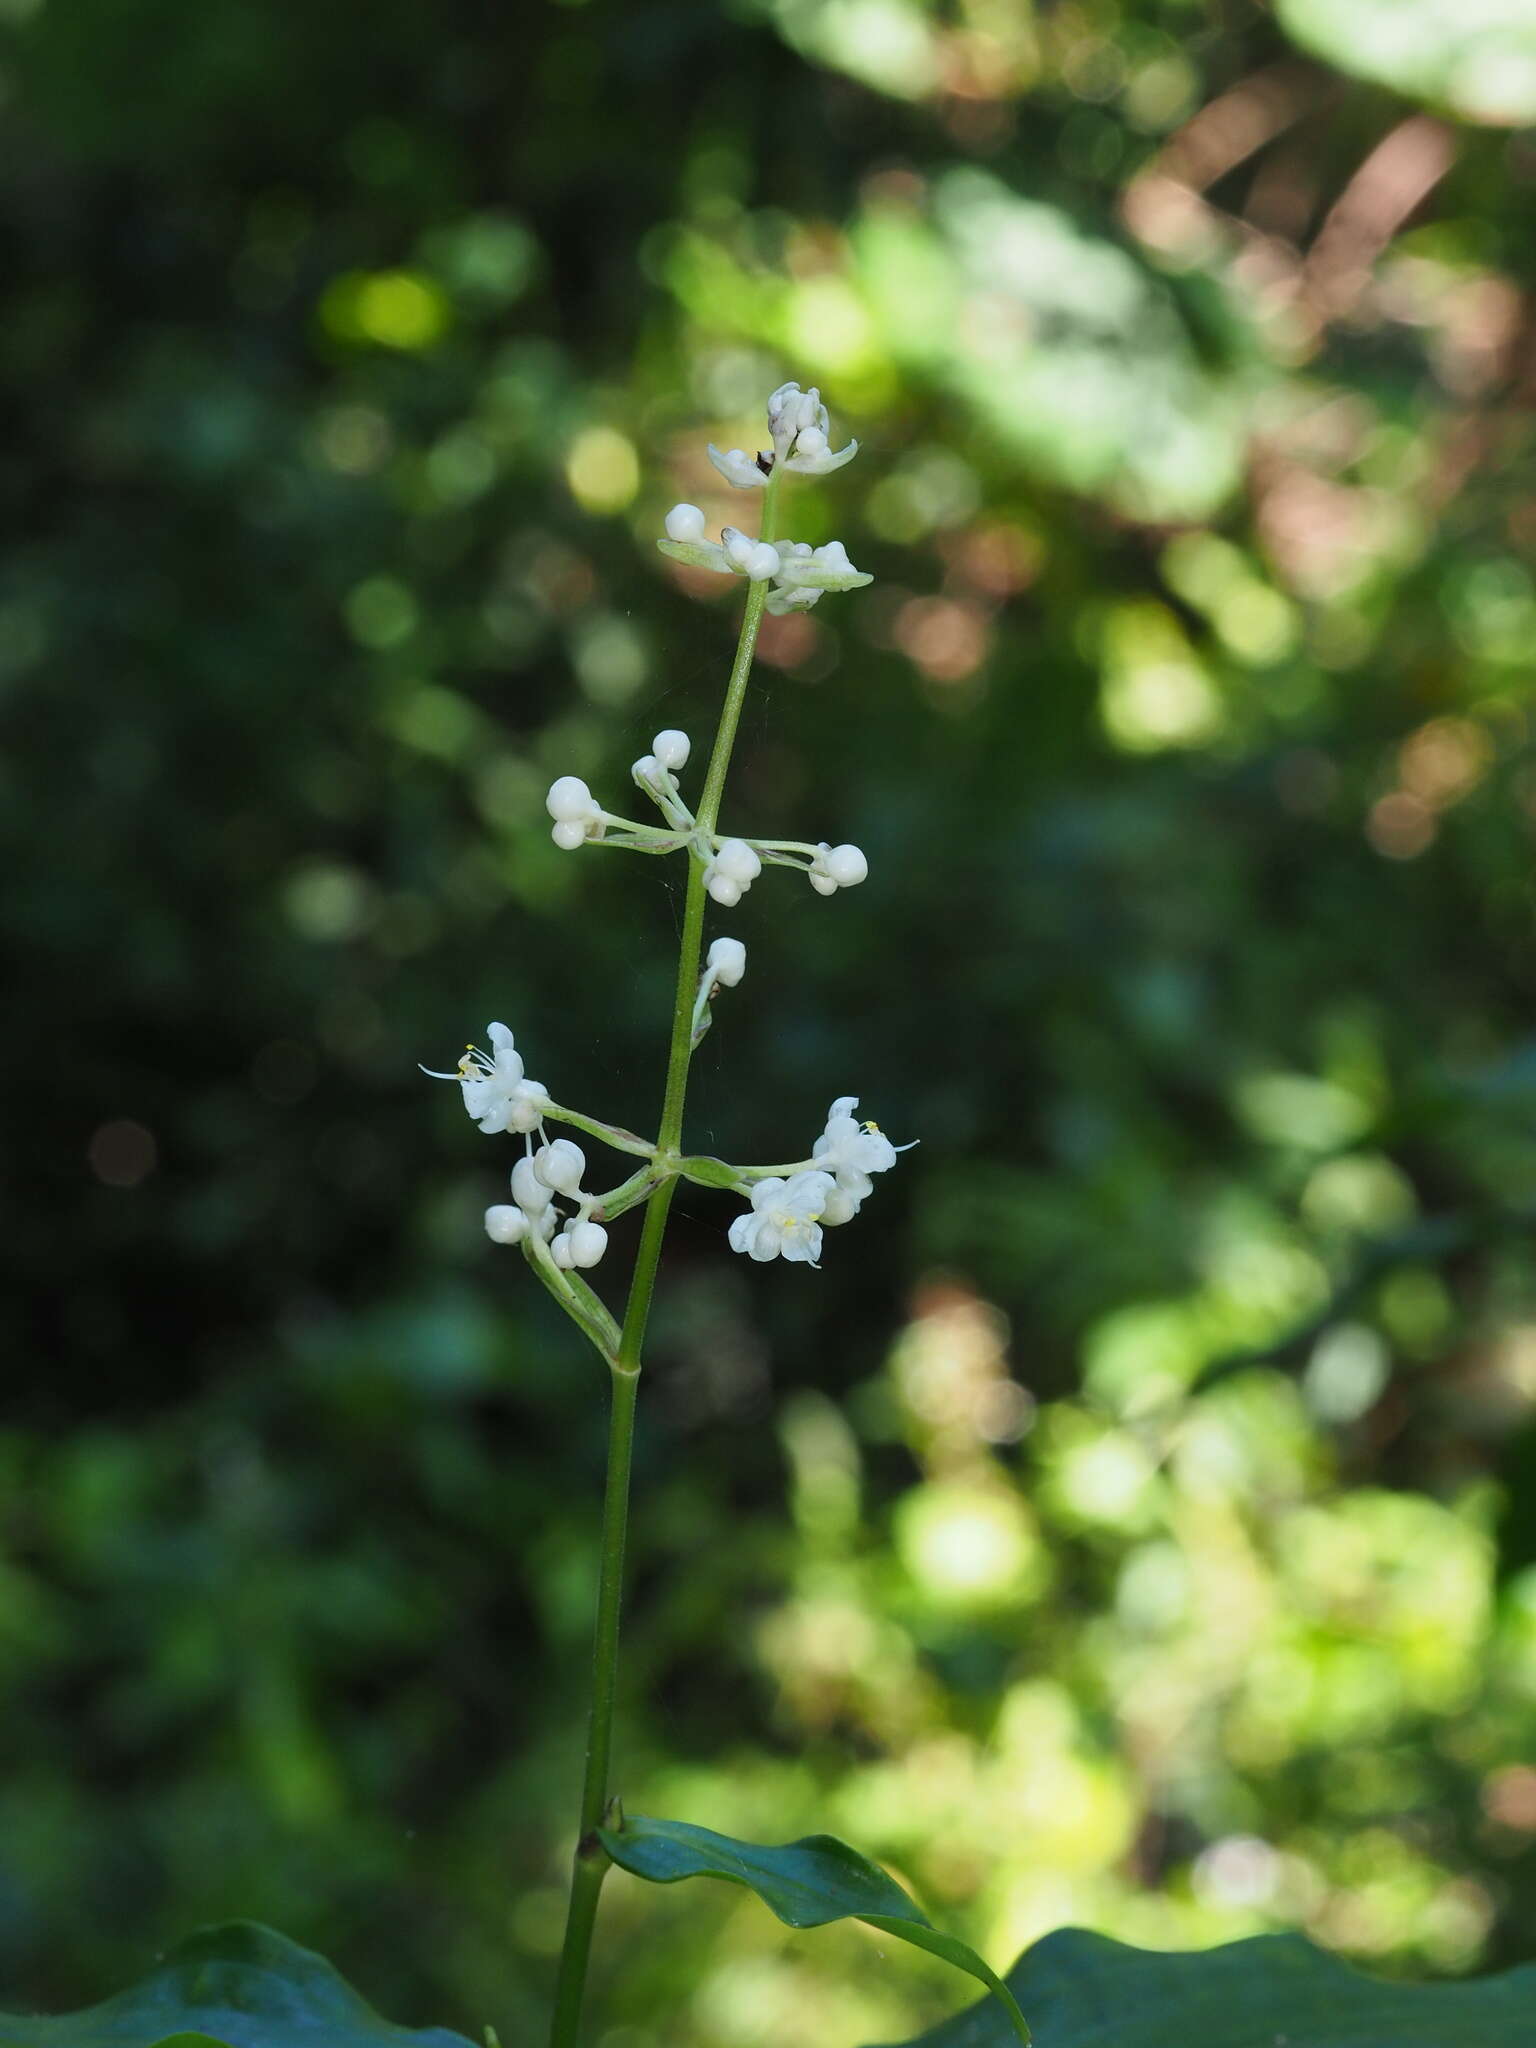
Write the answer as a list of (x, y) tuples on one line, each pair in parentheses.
[(851, 1151), (496, 1093), (785, 1219)]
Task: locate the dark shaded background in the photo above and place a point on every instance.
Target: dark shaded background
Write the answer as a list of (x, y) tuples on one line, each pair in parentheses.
[(1131, 1523)]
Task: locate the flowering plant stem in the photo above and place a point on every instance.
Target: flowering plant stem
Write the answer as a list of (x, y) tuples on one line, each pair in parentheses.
[(592, 1859)]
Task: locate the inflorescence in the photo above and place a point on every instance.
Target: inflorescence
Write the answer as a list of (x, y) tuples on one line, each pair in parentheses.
[(791, 1203)]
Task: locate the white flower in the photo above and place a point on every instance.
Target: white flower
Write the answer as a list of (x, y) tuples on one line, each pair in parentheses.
[(560, 1166), (732, 872), (802, 567), (505, 1225), (737, 467), (577, 814), (685, 522), (798, 422), (579, 1244), (851, 1151), (837, 867), (726, 961), (737, 555), (531, 1194), (781, 600), (671, 748), (785, 1219), (753, 558), (496, 1094)]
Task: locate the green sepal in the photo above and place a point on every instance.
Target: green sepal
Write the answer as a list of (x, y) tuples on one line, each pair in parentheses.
[(806, 1884), (1086, 1991), (237, 1986)]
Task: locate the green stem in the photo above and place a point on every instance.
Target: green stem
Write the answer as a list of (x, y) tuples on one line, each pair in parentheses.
[(591, 1858)]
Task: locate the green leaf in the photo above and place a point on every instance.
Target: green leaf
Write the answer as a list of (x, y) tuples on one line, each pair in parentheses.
[(1275, 1991), (806, 1883), (239, 1986)]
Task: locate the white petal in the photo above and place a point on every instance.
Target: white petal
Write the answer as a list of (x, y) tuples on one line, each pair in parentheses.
[(738, 468)]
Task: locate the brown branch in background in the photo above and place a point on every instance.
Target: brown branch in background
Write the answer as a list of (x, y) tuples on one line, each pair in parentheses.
[(1164, 204), (1398, 175)]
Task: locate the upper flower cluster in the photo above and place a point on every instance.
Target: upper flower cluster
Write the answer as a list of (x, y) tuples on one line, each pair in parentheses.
[(798, 572), (798, 424)]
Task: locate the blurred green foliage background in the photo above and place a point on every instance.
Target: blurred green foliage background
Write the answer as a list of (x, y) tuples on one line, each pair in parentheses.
[(1134, 1523)]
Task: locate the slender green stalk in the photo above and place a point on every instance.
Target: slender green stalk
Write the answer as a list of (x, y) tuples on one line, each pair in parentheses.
[(591, 1858)]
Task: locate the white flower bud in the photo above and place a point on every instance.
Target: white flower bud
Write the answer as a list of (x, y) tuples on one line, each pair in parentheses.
[(822, 884), (685, 522), (647, 771), (847, 866), (588, 1242), (671, 748), (570, 801), (568, 835), (727, 961), (755, 559), (723, 890), (560, 1166), (737, 861), (528, 1191), (560, 1251), (839, 1207), (504, 1224)]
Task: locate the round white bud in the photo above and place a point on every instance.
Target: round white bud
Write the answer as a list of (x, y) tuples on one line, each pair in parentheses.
[(727, 961), (822, 884), (724, 891), (560, 1251), (504, 1224), (528, 1191), (588, 1242), (671, 748), (570, 799), (735, 859), (847, 866), (560, 1166), (838, 1207), (763, 563), (685, 522), (568, 834)]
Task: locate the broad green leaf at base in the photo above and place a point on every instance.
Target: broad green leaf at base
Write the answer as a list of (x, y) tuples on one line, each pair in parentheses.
[(239, 1986), (1275, 1991), (806, 1884)]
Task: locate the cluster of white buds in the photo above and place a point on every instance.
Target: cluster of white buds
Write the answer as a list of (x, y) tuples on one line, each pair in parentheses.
[(577, 814), (732, 871), (799, 574), (797, 421), (837, 867), (734, 554), (496, 1093), (555, 1169), (790, 1210), (731, 865)]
